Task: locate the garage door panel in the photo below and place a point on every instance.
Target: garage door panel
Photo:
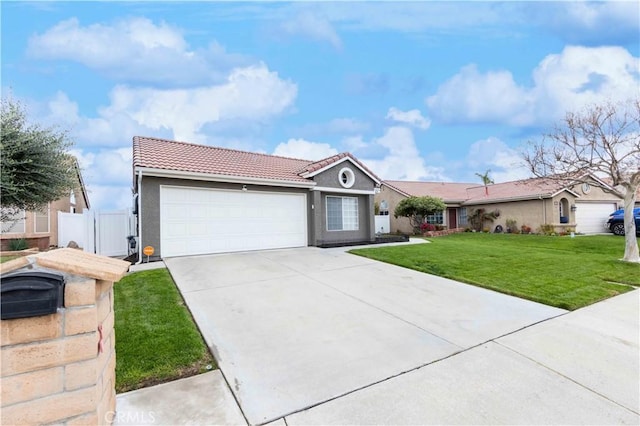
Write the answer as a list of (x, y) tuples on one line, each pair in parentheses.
[(200, 221), (591, 217)]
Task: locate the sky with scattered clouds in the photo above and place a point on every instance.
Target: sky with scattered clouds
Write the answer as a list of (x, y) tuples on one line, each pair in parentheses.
[(435, 91)]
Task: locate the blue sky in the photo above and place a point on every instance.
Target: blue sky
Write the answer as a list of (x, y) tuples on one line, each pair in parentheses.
[(419, 91)]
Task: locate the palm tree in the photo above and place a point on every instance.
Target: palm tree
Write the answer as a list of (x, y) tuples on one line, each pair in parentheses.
[(486, 180), (478, 217)]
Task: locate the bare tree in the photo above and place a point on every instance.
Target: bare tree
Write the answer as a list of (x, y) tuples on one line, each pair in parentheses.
[(604, 141)]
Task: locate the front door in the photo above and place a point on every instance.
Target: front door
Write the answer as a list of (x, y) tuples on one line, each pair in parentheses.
[(452, 221)]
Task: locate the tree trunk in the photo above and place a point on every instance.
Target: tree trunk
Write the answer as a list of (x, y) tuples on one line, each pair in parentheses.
[(631, 253)]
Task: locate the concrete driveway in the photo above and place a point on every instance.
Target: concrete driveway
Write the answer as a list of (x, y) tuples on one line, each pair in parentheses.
[(293, 329), (319, 336)]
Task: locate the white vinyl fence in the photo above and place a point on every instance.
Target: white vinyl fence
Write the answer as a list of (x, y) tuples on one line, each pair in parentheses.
[(98, 232), (383, 224)]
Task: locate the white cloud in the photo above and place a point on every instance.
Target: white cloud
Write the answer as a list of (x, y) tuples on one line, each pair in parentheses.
[(603, 23), (134, 49), (107, 175), (311, 25), (412, 117), (505, 163), (563, 82), (249, 95), (307, 150), (402, 159), (252, 93)]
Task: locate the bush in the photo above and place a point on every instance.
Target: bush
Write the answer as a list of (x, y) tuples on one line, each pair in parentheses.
[(525, 229), (427, 227), (512, 225), (547, 229), (18, 244)]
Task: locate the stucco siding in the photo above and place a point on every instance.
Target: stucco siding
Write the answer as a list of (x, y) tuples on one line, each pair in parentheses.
[(366, 225), (329, 178), (392, 197)]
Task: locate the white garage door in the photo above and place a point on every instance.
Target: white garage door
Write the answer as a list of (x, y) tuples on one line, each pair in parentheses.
[(591, 217), (201, 221)]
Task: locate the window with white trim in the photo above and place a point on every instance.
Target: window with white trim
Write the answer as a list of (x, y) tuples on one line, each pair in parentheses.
[(463, 219), (15, 224), (41, 219), (342, 213), (346, 177), (435, 219)]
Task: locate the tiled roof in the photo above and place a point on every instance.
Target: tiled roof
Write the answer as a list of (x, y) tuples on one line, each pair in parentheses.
[(473, 193), (187, 157), (448, 191), (519, 189)]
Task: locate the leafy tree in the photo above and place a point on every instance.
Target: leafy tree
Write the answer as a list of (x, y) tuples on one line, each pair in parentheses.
[(417, 208), (34, 166), (478, 217), (603, 140)]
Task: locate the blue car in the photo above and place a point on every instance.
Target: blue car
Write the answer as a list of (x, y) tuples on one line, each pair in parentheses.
[(615, 223)]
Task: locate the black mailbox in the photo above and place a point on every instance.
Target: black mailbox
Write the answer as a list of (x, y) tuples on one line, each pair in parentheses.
[(31, 293)]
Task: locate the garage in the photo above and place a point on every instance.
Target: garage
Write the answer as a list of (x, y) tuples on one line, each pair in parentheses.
[(591, 217), (201, 221)]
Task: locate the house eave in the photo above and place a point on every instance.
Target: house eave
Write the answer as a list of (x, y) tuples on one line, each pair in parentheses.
[(343, 190), (178, 174), (507, 199)]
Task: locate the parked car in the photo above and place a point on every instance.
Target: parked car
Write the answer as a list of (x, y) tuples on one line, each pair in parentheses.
[(615, 223)]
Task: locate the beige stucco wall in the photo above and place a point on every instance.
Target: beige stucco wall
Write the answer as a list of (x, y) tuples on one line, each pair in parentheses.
[(61, 205), (532, 213), (392, 197)]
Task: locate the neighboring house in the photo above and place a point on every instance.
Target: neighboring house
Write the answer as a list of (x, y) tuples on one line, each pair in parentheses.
[(40, 228), (197, 199), (530, 202)]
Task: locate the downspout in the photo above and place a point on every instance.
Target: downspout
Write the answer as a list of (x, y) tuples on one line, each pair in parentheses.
[(139, 201), (544, 210)]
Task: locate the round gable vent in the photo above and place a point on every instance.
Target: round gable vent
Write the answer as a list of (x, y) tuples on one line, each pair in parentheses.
[(346, 177)]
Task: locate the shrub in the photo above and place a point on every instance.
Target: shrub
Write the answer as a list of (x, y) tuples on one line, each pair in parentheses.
[(525, 229), (427, 227), (512, 225), (547, 229), (18, 244)]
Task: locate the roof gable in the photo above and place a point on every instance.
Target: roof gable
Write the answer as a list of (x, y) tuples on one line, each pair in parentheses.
[(320, 166)]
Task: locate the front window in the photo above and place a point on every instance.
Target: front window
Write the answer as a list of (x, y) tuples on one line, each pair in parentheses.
[(462, 216), (435, 219), (14, 224), (342, 213)]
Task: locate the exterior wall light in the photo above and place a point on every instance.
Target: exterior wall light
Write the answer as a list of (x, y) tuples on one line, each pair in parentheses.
[(573, 207), (244, 188)]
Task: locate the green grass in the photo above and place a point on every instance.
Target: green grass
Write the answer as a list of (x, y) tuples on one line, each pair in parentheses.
[(565, 272), (156, 338), (7, 258)]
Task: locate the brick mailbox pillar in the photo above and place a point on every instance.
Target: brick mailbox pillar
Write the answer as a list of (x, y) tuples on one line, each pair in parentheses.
[(60, 368)]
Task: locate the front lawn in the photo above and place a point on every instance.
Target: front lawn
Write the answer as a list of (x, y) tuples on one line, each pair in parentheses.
[(565, 272), (7, 258), (156, 338)]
